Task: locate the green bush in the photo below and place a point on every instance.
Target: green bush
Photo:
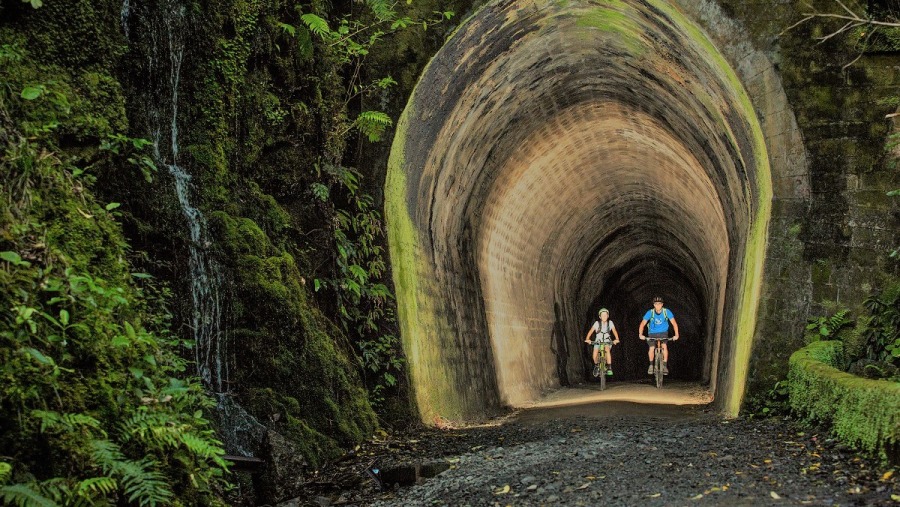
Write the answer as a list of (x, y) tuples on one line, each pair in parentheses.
[(96, 405), (863, 413)]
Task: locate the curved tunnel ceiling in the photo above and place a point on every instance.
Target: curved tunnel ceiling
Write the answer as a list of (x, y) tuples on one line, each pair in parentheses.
[(548, 149)]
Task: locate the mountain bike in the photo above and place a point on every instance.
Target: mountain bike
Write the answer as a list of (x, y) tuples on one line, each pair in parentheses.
[(601, 367), (658, 358)]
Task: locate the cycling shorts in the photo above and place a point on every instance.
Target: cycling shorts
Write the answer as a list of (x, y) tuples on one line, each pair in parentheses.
[(651, 342)]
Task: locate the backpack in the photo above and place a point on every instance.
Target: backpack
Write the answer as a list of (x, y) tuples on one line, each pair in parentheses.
[(600, 332), (665, 313)]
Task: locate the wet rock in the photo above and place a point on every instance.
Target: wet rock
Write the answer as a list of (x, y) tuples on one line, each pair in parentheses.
[(283, 476)]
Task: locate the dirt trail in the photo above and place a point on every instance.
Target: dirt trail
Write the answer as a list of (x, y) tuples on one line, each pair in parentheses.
[(570, 449)]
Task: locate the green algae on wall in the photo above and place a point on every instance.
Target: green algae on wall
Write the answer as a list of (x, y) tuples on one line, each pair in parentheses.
[(422, 335)]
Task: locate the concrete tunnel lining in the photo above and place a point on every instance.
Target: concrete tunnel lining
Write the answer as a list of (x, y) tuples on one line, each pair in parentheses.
[(539, 132)]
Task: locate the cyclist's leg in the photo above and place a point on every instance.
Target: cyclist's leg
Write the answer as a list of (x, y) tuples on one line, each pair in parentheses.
[(665, 352), (596, 349), (608, 355)]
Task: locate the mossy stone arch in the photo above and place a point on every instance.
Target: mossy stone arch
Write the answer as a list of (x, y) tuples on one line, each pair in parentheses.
[(559, 155)]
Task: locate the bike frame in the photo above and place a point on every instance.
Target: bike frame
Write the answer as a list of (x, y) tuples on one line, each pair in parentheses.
[(658, 360), (601, 360)]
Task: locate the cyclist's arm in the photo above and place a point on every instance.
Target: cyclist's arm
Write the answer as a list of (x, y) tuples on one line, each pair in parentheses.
[(675, 325), (616, 332), (641, 330), (587, 339)]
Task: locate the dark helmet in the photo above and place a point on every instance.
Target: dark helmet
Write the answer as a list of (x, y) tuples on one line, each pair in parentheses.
[(657, 299)]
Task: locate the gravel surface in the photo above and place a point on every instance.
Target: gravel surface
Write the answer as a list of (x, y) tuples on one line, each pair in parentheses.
[(616, 453)]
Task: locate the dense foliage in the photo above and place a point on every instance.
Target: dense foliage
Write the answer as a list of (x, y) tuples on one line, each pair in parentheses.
[(97, 406)]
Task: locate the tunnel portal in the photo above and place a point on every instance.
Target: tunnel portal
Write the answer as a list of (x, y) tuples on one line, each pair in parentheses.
[(561, 156)]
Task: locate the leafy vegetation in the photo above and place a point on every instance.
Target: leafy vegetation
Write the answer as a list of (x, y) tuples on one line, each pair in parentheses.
[(98, 406), (882, 333), (828, 327), (355, 278)]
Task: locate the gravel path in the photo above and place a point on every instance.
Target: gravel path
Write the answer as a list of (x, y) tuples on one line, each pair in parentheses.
[(620, 453)]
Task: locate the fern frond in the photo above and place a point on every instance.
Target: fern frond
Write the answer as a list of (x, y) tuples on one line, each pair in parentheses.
[(22, 495), (139, 479), (5, 472), (156, 428), (201, 446), (66, 422), (316, 25), (373, 124), (383, 9), (89, 488)]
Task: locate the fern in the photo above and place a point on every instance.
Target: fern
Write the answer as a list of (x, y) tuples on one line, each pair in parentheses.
[(65, 422), (5, 472), (829, 326), (138, 479), (373, 124), (201, 447), (316, 25), (22, 495), (383, 9), (96, 486)]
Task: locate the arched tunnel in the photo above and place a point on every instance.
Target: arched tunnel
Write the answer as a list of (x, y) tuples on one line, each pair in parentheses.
[(561, 156)]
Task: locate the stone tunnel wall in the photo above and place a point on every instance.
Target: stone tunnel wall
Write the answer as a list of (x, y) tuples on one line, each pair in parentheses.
[(830, 222), (829, 235)]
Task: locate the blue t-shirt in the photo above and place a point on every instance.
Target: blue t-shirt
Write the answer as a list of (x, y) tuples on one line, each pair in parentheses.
[(658, 321)]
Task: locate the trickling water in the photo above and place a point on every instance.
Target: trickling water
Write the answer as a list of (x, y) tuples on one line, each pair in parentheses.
[(239, 429), (124, 14), (205, 273)]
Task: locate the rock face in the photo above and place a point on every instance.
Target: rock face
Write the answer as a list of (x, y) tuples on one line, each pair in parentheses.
[(285, 469), (556, 157)]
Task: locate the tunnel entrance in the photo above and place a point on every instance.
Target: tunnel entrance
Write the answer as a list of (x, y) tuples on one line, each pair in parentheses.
[(557, 157)]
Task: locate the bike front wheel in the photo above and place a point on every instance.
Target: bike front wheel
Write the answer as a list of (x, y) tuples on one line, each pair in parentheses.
[(658, 368), (602, 374)]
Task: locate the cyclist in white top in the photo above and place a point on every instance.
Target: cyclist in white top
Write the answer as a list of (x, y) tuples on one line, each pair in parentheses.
[(603, 327)]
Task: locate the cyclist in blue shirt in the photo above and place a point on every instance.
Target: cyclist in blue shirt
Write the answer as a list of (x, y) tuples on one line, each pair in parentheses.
[(659, 319)]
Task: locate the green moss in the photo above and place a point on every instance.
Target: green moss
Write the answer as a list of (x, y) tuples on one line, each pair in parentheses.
[(863, 413), (296, 367), (615, 19), (434, 386), (244, 236)]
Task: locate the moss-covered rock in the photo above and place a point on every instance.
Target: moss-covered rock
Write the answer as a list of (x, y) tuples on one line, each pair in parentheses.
[(294, 368)]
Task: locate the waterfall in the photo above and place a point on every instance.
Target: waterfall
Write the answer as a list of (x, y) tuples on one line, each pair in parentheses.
[(124, 14), (239, 429)]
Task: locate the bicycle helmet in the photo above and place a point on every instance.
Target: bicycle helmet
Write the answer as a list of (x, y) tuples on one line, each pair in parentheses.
[(657, 299), (601, 312)]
